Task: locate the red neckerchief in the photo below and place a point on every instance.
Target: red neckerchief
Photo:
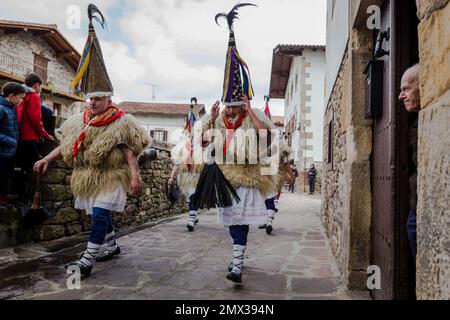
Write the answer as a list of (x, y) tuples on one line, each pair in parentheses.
[(109, 116), (188, 159), (190, 121), (231, 129)]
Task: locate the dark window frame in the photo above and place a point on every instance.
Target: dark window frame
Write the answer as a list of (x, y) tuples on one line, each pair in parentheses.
[(41, 70), (157, 134), (330, 158)]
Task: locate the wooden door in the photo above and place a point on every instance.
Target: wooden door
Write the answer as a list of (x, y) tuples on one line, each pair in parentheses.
[(383, 169), (390, 249)]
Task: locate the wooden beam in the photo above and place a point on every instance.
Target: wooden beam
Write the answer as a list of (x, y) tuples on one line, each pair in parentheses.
[(277, 94), (282, 74), (9, 76), (64, 94), (12, 77), (11, 31), (64, 54)]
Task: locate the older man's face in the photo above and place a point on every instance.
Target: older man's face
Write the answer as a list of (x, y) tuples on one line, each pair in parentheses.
[(410, 93), (99, 105)]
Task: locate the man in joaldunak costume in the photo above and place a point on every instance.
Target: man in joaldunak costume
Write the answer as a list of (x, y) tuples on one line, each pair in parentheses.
[(186, 173), (234, 135), (102, 145)]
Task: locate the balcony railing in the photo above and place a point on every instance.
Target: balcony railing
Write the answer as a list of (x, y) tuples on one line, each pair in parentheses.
[(20, 68)]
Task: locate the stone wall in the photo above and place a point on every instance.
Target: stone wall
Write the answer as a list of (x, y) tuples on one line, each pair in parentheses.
[(334, 210), (433, 224), (346, 187), (65, 221)]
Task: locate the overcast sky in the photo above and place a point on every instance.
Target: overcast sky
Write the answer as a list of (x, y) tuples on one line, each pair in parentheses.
[(176, 44)]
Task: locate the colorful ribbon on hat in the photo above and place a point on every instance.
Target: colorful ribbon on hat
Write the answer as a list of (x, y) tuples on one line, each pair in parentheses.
[(84, 63), (230, 69)]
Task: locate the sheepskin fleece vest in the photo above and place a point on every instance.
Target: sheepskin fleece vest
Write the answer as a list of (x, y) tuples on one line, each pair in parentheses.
[(242, 175), (100, 164), (187, 177), (250, 175)]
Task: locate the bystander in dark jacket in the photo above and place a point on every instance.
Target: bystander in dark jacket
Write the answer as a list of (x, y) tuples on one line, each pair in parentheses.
[(312, 178), (12, 95)]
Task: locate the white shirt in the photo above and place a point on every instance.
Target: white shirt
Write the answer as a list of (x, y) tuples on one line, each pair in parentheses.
[(113, 201)]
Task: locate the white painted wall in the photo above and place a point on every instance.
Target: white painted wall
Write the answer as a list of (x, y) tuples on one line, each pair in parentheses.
[(337, 38), (317, 104), (293, 102), (292, 105), (173, 124)]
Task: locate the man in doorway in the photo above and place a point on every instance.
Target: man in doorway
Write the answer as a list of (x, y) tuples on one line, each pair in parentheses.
[(410, 95)]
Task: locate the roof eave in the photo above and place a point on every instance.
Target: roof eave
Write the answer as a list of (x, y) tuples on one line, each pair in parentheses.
[(282, 56)]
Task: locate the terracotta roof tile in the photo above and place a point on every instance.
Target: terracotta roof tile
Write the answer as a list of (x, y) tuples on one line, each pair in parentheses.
[(175, 109), (277, 119)]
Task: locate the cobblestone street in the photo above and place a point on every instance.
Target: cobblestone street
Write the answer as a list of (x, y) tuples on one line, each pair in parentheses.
[(166, 261)]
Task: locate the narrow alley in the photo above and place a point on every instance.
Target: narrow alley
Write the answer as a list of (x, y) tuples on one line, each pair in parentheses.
[(165, 261)]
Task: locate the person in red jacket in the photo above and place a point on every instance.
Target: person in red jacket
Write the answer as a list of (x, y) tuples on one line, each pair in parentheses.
[(31, 129)]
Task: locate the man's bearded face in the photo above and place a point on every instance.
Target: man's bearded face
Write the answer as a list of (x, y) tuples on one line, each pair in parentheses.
[(233, 112)]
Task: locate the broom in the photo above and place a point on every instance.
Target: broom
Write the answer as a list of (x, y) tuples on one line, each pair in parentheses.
[(213, 189), (36, 215)]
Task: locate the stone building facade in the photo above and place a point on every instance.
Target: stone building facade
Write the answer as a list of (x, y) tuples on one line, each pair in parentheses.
[(163, 121), (298, 77), (39, 48), (64, 221), (358, 148), (346, 193), (433, 233)]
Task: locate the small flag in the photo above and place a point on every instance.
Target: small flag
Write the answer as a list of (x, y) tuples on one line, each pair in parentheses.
[(267, 110)]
